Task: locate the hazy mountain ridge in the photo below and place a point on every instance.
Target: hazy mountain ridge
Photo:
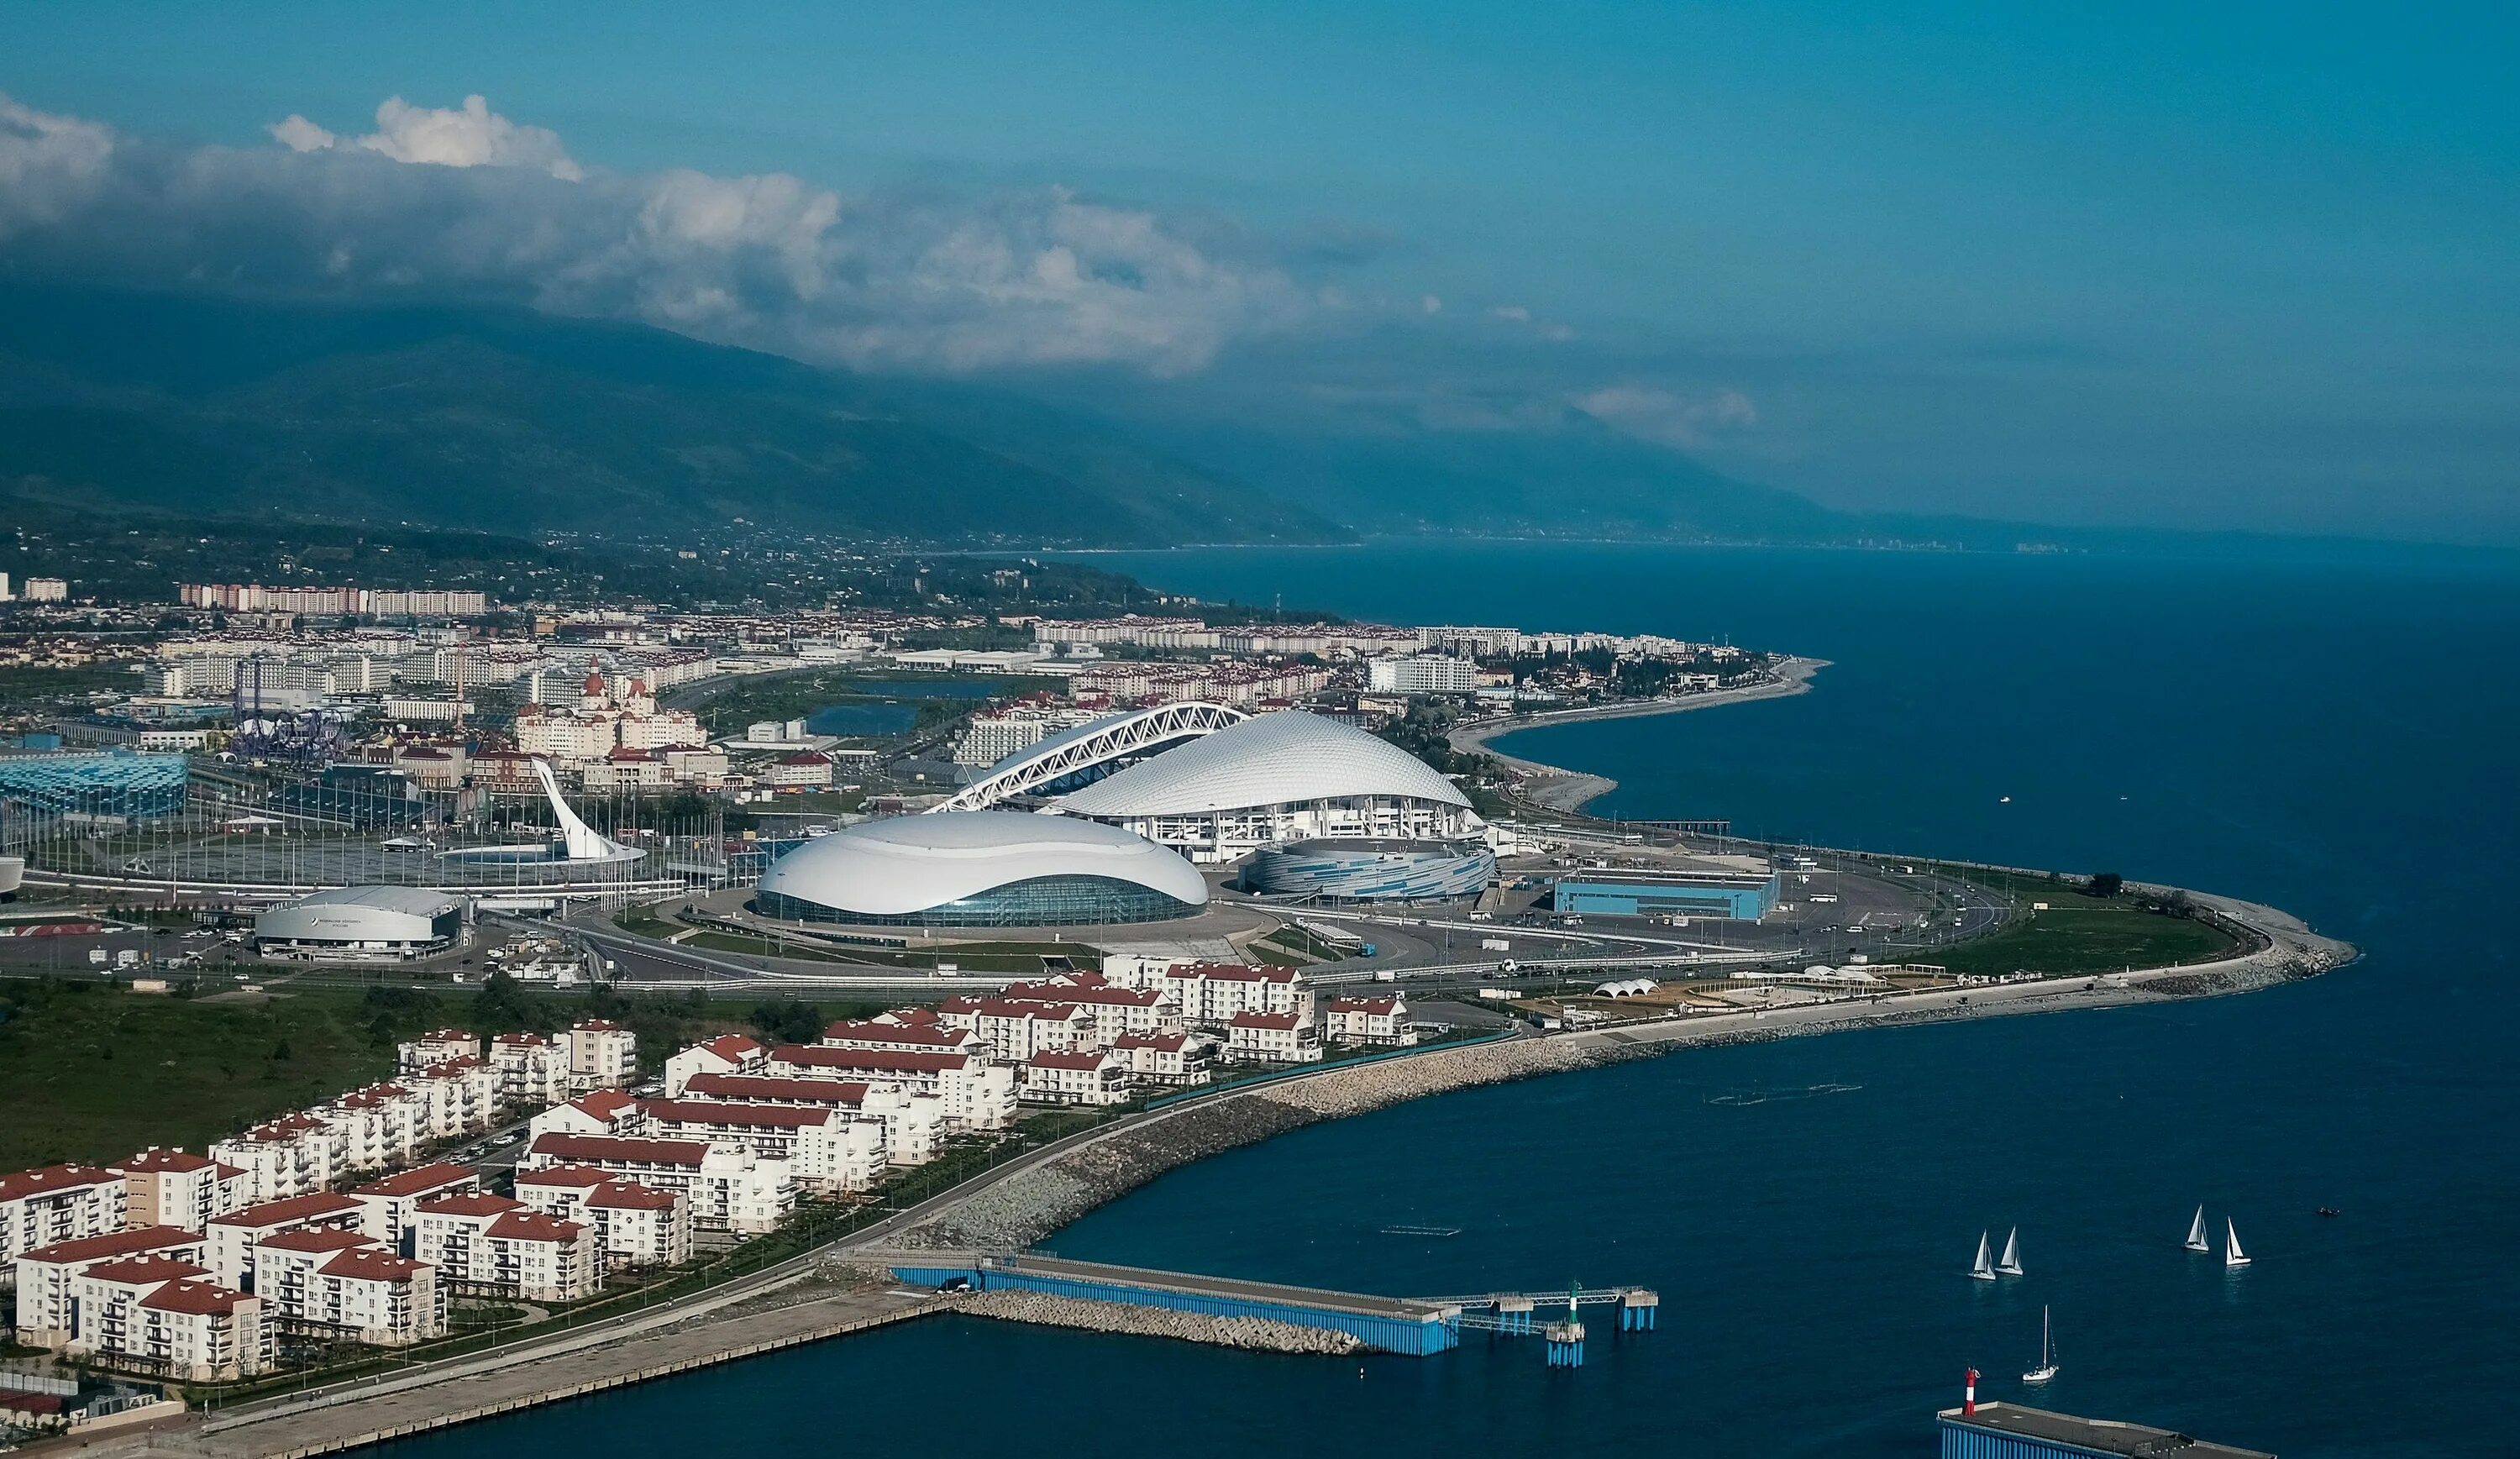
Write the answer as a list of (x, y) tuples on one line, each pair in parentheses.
[(505, 419)]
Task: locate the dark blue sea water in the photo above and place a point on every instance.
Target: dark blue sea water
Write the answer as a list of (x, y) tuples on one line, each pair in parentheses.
[(2334, 737)]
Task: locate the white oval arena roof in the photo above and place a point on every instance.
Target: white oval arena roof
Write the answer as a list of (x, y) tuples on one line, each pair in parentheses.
[(909, 863), (1266, 759)]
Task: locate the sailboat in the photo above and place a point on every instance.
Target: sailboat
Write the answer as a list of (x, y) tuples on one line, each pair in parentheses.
[(1984, 1270), (2046, 1368), (2233, 1255), (2010, 1264), (2196, 1241)]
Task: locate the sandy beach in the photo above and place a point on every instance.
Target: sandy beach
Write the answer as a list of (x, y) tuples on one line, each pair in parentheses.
[(1556, 788)]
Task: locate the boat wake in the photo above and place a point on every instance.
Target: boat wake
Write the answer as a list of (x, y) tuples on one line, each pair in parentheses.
[(1744, 1098)]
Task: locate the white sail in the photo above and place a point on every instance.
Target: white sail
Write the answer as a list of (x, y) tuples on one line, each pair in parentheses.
[(1984, 1269), (2196, 1241), (2011, 1265), (2233, 1255)]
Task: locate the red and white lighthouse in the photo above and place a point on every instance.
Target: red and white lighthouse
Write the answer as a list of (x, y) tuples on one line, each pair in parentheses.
[(1969, 1395)]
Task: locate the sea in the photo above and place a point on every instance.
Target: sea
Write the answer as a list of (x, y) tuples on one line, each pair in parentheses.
[(2330, 732)]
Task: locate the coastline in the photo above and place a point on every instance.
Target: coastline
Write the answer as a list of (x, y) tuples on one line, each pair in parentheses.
[(1554, 788)]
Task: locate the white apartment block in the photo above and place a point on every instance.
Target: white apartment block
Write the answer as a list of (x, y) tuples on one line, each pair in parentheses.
[(389, 1208), (485, 1243), (48, 1276), (235, 1236), (635, 1225), (914, 1124), (602, 1055), (827, 1150), (375, 1127), (532, 1069), (728, 1053), (1016, 1030), (101, 1310), (1115, 1010), (166, 1317), (53, 1204), (1424, 674), (602, 1112), (292, 1156), (729, 1188), (1167, 1058), (1210, 994), (173, 1188), (1271, 1038), (1069, 1076), (435, 1047), (461, 1095), (1374, 1023), (977, 1094)]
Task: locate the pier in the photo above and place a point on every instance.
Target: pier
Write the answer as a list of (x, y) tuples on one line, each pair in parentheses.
[(1413, 1327)]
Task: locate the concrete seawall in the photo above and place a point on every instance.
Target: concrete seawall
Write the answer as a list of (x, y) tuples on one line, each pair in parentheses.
[(1250, 1333)]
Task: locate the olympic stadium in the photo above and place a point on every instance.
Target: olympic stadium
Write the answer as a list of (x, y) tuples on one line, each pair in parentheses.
[(980, 868), (1371, 871)]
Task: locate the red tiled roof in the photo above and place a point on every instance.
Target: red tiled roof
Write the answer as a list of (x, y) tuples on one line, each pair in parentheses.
[(703, 1112), (315, 1239), (205, 1299), (168, 1161), (770, 1089), (47, 1179), (585, 1175), (448, 1068), (1380, 1007), (421, 1182), (885, 1060), (603, 1104), (630, 1195), (732, 1047), (374, 1265), (594, 1026), (472, 1202), (142, 1270), (1264, 1021), (894, 1033), (114, 1244), (1168, 1042), (534, 1225), (598, 1148), (295, 1211)]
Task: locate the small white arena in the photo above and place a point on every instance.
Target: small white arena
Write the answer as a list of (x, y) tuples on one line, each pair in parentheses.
[(1274, 778), (350, 924), (980, 868)]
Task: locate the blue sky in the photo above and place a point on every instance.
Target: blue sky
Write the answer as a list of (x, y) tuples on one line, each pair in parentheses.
[(2198, 266)]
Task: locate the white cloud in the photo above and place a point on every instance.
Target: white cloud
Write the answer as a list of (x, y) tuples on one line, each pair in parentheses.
[(50, 165), (464, 203), (468, 136), (1667, 416), (1515, 312)]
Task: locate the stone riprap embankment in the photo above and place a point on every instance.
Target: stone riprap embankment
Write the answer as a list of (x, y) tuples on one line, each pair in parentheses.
[(1252, 1334)]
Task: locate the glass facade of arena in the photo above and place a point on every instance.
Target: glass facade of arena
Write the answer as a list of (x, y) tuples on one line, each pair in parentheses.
[(1037, 901)]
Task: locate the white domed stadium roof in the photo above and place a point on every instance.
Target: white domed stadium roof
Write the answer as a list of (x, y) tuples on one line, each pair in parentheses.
[(1272, 759), (910, 863)]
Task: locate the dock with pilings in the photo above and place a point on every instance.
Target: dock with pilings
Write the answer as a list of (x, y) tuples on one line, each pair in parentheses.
[(1413, 1327)]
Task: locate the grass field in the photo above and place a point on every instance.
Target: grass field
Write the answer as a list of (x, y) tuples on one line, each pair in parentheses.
[(89, 1071), (2080, 934)]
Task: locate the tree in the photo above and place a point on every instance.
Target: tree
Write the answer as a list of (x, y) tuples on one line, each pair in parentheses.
[(501, 1004), (2106, 884), (788, 1021)]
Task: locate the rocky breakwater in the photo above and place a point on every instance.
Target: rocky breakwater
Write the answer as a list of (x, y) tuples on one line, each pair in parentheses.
[(1252, 1334)]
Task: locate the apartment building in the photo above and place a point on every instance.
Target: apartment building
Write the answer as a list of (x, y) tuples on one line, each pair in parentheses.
[(235, 1236), (635, 1225), (294, 1155), (1271, 1038), (176, 1188), (827, 1149), (728, 1053), (461, 1095), (1173, 1058), (939, 1035), (493, 1243), (435, 1047), (913, 1123), (1076, 1077), (47, 1277), (602, 1055), (602, 1112), (977, 1094), (389, 1208), (53, 1204), (727, 1186), (1016, 1030), (532, 1069), (1372, 1023)]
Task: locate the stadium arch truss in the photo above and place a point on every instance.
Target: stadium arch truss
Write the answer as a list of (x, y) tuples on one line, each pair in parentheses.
[(1081, 753)]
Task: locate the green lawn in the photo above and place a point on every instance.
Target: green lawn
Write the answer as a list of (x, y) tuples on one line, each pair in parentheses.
[(89, 1071), (2080, 934)]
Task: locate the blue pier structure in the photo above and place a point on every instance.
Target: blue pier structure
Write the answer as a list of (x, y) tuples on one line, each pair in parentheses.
[(2011, 1431), (1412, 1327)]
